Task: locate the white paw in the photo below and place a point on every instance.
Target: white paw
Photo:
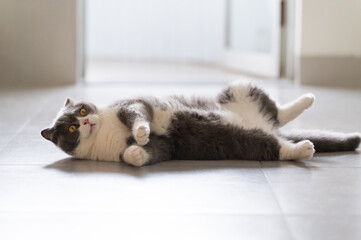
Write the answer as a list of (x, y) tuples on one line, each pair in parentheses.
[(136, 156), (308, 99), (305, 149), (141, 134)]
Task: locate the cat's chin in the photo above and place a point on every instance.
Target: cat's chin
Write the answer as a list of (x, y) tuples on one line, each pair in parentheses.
[(88, 130), (92, 129)]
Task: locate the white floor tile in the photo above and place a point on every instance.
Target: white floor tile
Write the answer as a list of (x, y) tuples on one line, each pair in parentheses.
[(142, 226), (325, 227), (302, 190), (178, 186)]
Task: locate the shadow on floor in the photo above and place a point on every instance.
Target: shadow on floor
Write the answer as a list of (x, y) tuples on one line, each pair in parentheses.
[(72, 165)]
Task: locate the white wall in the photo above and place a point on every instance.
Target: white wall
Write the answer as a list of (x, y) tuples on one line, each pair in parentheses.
[(328, 41), (181, 30), (37, 42), (331, 27)]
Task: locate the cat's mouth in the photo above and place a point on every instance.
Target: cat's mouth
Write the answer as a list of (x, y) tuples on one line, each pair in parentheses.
[(92, 126)]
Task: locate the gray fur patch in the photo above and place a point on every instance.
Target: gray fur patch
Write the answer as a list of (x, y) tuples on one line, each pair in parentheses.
[(128, 116), (226, 96), (90, 107), (130, 140), (155, 102), (204, 137), (59, 133), (159, 148), (267, 105), (195, 102), (325, 141)]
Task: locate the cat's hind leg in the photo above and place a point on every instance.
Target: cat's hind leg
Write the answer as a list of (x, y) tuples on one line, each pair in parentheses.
[(250, 102), (290, 111), (296, 151), (242, 95), (157, 149)]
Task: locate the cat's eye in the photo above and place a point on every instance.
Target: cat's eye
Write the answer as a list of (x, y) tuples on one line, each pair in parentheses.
[(83, 112), (72, 128)]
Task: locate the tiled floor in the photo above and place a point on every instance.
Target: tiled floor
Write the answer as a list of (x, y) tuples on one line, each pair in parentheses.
[(46, 195)]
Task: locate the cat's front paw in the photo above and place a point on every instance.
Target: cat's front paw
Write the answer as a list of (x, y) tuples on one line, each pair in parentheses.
[(136, 156), (141, 134)]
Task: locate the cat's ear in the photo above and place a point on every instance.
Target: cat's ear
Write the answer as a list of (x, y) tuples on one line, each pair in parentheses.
[(47, 133), (68, 102)]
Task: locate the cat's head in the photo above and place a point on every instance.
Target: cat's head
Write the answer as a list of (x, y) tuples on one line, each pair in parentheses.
[(74, 124)]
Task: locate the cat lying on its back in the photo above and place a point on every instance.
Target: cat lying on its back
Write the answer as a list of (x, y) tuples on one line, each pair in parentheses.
[(242, 122)]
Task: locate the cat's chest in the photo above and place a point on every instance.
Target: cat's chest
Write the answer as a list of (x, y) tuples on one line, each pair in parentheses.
[(111, 139)]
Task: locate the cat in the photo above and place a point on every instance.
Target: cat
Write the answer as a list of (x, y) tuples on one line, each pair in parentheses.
[(242, 122)]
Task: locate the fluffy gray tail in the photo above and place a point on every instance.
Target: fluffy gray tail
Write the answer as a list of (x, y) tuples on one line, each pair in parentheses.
[(325, 141)]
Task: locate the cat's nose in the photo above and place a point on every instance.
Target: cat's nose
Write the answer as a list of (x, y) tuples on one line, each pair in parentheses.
[(86, 121)]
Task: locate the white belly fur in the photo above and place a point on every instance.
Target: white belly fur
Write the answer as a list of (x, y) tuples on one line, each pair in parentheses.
[(109, 141)]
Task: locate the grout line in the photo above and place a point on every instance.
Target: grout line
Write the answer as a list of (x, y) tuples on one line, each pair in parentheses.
[(278, 203), (40, 109)]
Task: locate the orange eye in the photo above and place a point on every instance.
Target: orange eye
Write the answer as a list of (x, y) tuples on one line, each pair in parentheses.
[(83, 112), (72, 128)]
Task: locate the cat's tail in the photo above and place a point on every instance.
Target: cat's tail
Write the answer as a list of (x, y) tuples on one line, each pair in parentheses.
[(325, 141)]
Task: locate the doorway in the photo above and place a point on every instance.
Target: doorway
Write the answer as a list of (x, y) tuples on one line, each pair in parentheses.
[(181, 40)]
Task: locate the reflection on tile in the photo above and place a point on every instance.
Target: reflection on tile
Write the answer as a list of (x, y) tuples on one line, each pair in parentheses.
[(30, 150), (71, 165), (328, 160), (142, 226), (112, 187), (325, 227), (340, 159), (316, 190)]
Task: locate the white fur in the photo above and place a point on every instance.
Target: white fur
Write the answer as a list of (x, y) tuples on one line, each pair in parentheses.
[(161, 120), (141, 131), (136, 156), (290, 111), (245, 112), (86, 129), (107, 141), (300, 150)]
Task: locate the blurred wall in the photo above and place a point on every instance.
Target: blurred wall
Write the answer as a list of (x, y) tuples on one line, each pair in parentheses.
[(37, 42), (330, 49), (179, 30)]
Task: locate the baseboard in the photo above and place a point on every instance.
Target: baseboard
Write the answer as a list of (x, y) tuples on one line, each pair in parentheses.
[(341, 71)]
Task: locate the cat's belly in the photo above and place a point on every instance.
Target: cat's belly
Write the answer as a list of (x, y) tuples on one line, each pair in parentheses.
[(109, 145)]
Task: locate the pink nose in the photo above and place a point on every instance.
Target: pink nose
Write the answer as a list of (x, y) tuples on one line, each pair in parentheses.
[(86, 121)]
